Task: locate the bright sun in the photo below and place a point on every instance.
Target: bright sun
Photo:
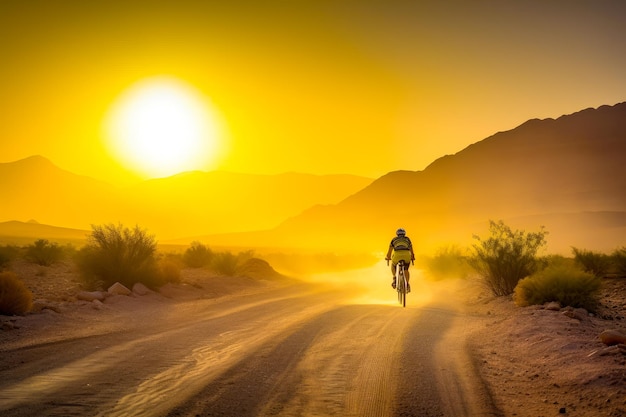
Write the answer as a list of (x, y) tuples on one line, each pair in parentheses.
[(162, 126)]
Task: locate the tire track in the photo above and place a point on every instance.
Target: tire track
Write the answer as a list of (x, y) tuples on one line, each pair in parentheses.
[(329, 366), (148, 366)]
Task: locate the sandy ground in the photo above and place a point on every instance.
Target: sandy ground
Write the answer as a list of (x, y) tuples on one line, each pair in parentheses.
[(539, 362), (535, 362)]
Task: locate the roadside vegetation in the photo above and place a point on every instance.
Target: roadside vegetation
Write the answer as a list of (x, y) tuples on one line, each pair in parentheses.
[(115, 253), (506, 256), (198, 255), (448, 262), (225, 263), (619, 261), (601, 264), (508, 263), (566, 284), (44, 253), (8, 253), (15, 298)]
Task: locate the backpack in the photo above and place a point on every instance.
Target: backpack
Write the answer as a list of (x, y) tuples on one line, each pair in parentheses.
[(401, 243)]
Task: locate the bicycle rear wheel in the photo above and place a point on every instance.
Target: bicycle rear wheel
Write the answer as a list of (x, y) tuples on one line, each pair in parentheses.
[(401, 286)]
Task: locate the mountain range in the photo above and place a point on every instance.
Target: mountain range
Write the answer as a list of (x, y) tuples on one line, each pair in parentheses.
[(189, 203), (567, 174)]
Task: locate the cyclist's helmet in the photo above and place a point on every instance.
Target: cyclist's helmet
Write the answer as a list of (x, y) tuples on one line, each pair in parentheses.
[(400, 232)]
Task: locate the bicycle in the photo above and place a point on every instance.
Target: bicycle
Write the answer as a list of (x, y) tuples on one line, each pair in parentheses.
[(401, 282)]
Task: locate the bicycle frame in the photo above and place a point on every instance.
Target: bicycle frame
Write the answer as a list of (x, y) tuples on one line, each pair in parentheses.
[(401, 284)]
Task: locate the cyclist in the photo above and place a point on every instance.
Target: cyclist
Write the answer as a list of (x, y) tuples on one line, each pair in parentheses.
[(400, 248)]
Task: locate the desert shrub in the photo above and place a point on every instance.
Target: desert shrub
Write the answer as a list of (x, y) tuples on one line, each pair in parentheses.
[(506, 256), (169, 268), (225, 263), (15, 297), (44, 253), (618, 259), (568, 285), (447, 262), (197, 255), (7, 254), (596, 263), (554, 260), (69, 250), (118, 254)]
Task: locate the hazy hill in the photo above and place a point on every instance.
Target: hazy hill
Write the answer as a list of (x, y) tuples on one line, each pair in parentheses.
[(187, 204), (24, 233), (567, 174), (35, 188), (192, 203)]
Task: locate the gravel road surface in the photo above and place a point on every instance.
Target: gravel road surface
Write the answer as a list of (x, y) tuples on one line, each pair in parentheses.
[(286, 351)]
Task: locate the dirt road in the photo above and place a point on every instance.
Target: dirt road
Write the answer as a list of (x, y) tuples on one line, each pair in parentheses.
[(288, 351)]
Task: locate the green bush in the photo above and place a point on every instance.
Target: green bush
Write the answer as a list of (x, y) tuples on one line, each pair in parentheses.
[(118, 254), (44, 253), (7, 255), (15, 298), (197, 255), (506, 256), (618, 259), (448, 262), (596, 263), (570, 286)]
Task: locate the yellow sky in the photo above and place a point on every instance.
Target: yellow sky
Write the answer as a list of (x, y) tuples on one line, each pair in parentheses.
[(354, 86)]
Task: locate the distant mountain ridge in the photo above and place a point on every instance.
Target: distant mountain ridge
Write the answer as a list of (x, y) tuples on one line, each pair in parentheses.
[(185, 204), (567, 174)]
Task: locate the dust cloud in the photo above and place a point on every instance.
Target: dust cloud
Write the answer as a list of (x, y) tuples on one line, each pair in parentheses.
[(372, 285)]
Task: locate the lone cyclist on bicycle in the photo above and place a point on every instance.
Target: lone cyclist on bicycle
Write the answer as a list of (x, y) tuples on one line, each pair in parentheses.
[(400, 248)]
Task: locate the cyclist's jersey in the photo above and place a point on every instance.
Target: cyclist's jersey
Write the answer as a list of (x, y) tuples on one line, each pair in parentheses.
[(401, 243)]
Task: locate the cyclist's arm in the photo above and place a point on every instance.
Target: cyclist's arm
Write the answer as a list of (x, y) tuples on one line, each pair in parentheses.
[(389, 253)]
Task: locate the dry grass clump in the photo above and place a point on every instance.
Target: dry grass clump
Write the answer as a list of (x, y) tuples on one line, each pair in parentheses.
[(565, 284), (15, 298)]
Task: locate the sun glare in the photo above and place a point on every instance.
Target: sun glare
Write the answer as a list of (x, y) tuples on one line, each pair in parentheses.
[(162, 126)]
